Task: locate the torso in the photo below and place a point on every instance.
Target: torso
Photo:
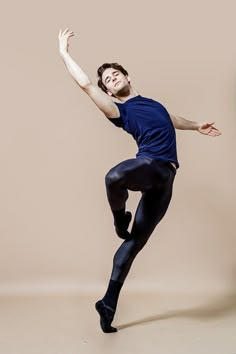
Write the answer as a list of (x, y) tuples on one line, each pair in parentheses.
[(150, 125)]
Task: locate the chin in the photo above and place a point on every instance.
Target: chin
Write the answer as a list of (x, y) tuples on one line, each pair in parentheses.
[(123, 92)]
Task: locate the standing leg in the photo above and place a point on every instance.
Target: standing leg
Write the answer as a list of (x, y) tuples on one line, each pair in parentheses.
[(151, 209)]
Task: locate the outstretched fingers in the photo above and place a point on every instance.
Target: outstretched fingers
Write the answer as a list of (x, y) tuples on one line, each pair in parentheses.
[(64, 32)]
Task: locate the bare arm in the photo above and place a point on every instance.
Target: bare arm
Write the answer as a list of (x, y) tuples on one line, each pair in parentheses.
[(184, 124), (75, 71), (203, 128), (100, 98)]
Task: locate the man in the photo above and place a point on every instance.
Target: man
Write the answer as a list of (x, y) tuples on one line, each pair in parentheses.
[(152, 171)]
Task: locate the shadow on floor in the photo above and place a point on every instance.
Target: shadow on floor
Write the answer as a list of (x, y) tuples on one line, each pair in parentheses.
[(220, 307)]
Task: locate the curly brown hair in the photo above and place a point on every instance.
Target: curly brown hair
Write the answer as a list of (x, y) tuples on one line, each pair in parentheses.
[(105, 66)]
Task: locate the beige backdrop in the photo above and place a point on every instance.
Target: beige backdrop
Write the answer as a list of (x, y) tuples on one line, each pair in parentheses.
[(56, 146)]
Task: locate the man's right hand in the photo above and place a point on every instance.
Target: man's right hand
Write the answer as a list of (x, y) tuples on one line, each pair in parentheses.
[(63, 40), (100, 98)]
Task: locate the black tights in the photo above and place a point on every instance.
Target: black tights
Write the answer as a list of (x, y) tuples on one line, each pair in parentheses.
[(154, 179)]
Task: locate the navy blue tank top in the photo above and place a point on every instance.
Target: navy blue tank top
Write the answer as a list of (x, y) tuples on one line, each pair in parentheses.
[(150, 125)]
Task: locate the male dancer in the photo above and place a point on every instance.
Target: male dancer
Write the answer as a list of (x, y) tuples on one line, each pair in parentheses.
[(152, 171)]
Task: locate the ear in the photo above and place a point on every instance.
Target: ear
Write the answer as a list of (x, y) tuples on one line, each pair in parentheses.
[(109, 93), (128, 78)]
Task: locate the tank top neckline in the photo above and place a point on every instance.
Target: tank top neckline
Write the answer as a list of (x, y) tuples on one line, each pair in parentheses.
[(131, 99)]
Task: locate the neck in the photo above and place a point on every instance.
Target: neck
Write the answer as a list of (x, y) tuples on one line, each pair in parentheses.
[(132, 93)]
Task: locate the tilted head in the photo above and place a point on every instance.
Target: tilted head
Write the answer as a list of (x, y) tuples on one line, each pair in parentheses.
[(113, 79)]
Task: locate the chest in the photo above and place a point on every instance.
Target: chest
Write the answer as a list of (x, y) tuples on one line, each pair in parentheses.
[(141, 118)]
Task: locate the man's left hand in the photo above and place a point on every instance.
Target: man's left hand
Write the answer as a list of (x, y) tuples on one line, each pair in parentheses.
[(208, 129)]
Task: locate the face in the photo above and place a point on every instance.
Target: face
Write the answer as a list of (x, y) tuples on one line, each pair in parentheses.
[(116, 82)]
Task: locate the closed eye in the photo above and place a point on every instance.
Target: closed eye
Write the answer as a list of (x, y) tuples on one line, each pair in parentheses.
[(116, 73)]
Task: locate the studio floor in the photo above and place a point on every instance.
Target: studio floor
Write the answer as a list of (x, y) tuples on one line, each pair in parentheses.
[(147, 323)]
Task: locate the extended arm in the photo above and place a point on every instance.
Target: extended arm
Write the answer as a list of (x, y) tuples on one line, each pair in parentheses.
[(75, 70), (203, 128), (100, 98), (184, 124)]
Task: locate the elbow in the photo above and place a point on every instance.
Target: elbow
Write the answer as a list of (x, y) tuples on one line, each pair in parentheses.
[(86, 85)]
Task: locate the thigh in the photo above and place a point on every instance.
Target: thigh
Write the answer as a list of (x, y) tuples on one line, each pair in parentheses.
[(133, 174)]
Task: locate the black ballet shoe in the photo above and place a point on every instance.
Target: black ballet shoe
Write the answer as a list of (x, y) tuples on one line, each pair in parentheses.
[(106, 316), (121, 230)]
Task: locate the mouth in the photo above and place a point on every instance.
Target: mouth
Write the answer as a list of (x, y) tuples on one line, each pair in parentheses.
[(117, 83)]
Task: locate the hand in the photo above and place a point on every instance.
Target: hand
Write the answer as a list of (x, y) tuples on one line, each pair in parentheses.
[(208, 129), (63, 40)]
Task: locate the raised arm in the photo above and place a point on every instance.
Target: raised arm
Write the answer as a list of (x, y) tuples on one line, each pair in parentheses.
[(100, 98)]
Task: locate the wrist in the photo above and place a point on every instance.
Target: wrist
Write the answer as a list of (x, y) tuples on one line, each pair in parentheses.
[(63, 53)]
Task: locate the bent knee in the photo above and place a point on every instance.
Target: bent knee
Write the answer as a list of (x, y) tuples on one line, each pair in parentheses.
[(113, 177)]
